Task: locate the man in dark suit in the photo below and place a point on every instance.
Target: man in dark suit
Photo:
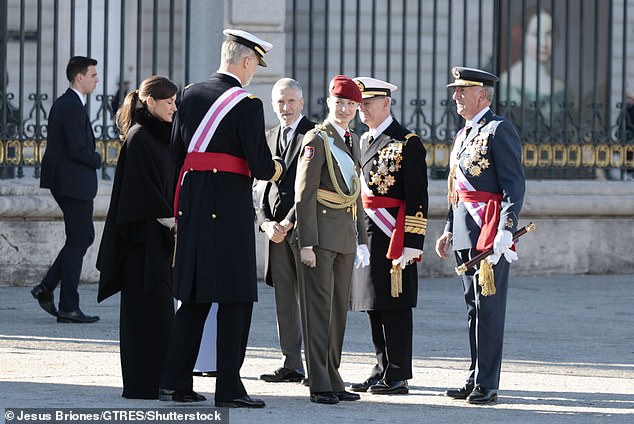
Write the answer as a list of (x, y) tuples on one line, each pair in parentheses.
[(69, 170), (276, 217), (218, 138), (331, 236), (395, 200), (486, 191)]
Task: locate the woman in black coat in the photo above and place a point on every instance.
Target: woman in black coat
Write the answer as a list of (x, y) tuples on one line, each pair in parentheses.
[(135, 254)]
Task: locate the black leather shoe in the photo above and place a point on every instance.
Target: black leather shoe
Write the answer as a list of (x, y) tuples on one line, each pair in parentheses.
[(461, 393), (282, 375), (245, 401), (180, 396), (75, 317), (347, 396), (363, 387), (390, 387), (481, 396), (328, 398), (45, 298)]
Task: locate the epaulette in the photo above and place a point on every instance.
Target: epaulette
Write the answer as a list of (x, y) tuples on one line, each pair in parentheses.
[(410, 135), (253, 96)]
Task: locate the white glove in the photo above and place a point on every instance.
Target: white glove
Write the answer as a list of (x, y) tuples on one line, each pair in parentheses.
[(362, 258), (168, 222), (408, 256), (502, 246), (308, 257)]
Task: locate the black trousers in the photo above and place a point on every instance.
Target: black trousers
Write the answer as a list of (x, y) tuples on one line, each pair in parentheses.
[(145, 327), (392, 338), (80, 234), (234, 322)]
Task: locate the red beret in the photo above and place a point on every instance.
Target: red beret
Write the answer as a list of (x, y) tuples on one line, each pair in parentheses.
[(342, 86)]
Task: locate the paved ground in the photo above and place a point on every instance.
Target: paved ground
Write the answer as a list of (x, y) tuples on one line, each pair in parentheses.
[(569, 357)]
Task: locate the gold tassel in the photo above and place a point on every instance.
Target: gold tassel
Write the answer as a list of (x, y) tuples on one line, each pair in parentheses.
[(450, 187), (486, 279), (396, 277)]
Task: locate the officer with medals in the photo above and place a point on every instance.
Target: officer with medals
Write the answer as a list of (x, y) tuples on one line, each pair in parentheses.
[(331, 237), (486, 192), (395, 200), (218, 138)]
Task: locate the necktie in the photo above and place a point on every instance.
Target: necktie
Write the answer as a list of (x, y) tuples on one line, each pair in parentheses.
[(370, 140), (346, 138), (285, 137)]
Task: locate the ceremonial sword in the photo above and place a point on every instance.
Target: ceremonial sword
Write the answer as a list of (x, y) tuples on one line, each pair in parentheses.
[(476, 260)]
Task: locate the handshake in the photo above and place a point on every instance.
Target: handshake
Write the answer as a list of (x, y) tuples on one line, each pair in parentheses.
[(276, 231)]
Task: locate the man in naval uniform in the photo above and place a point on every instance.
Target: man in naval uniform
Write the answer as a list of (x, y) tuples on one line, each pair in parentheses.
[(276, 217), (330, 233), (395, 200), (218, 138), (486, 192)]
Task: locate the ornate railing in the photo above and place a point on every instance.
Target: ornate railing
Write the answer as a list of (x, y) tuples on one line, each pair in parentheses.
[(412, 43)]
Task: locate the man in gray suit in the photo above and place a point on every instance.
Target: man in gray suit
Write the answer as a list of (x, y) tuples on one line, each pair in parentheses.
[(486, 189), (276, 217), (330, 231)]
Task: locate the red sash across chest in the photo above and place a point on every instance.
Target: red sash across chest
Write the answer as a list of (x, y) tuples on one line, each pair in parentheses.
[(490, 217)]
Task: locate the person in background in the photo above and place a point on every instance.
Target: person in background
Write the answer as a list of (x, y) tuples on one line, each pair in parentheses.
[(486, 193), (395, 200), (135, 255), (276, 217), (219, 144), (331, 237), (69, 170)]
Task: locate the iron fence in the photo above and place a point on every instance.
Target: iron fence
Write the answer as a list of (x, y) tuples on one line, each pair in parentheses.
[(131, 39), (564, 68)]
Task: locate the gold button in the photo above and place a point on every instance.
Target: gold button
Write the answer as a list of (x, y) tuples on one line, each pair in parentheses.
[(214, 170), (213, 216), (323, 211), (180, 213), (191, 169)]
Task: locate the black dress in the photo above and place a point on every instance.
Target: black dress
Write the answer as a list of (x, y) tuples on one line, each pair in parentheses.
[(136, 252)]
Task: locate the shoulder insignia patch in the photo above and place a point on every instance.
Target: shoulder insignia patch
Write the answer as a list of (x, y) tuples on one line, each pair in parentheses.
[(309, 152)]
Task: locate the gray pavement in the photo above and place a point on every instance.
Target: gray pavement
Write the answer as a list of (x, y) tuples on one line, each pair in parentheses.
[(569, 357)]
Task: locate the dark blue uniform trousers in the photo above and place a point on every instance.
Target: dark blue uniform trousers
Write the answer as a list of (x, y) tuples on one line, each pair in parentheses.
[(486, 316), (234, 322)]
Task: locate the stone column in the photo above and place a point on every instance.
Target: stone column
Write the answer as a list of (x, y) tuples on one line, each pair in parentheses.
[(266, 20), (207, 18)]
